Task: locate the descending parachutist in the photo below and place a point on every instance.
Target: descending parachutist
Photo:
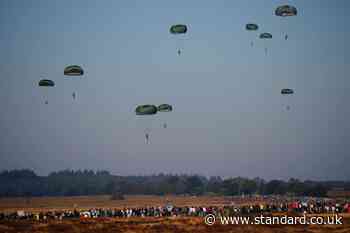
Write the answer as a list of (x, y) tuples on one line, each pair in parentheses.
[(178, 29), (147, 137), (251, 27), (265, 36), (46, 83), (286, 11)]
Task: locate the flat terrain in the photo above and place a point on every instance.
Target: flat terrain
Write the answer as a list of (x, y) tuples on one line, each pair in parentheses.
[(160, 225), (86, 202), (138, 224)]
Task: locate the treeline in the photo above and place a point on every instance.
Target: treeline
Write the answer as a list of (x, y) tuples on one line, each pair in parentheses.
[(26, 183)]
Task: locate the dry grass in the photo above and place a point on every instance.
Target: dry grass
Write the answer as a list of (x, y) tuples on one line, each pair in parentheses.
[(161, 225), (103, 201), (144, 225)]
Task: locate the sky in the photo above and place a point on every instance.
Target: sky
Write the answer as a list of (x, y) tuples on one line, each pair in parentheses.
[(229, 118)]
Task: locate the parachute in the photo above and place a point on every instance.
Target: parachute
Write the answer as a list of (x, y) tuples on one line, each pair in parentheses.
[(265, 36), (73, 70), (287, 91), (286, 11), (46, 83), (176, 30), (251, 27), (165, 108), (146, 110)]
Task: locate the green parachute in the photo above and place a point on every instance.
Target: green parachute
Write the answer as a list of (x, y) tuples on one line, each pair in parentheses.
[(286, 11), (165, 108), (73, 70), (146, 111), (265, 36), (251, 27), (46, 83), (178, 29)]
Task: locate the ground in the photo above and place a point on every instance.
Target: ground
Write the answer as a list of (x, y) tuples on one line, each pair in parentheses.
[(144, 225), (103, 201)]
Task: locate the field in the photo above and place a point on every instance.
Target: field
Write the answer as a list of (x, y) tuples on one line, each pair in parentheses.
[(86, 202), (161, 225), (145, 225)]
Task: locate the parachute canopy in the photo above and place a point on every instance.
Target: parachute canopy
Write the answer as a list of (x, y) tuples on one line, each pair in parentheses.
[(165, 108), (178, 29), (46, 83), (146, 110), (251, 27), (73, 70), (287, 91), (286, 10), (265, 35)]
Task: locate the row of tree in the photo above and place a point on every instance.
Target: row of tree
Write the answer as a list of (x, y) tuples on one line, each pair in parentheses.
[(26, 183)]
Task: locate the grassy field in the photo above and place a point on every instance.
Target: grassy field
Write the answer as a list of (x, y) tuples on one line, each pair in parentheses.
[(161, 225), (144, 225), (86, 202)]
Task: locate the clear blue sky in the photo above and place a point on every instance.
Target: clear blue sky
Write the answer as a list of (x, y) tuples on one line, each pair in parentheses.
[(229, 117)]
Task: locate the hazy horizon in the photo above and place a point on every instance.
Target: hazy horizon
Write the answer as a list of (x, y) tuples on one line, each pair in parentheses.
[(229, 117), (174, 174)]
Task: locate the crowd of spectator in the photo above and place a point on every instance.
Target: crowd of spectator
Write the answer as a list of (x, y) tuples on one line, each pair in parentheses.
[(168, 210)]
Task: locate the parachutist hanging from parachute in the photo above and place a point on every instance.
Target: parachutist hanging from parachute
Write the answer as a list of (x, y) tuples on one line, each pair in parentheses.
[(147, 138), (46, 83), (73, 70), (287, 91), (265, 36), (286, 11), (165, 108), (146, 111), (251, 27), (178, 29)]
